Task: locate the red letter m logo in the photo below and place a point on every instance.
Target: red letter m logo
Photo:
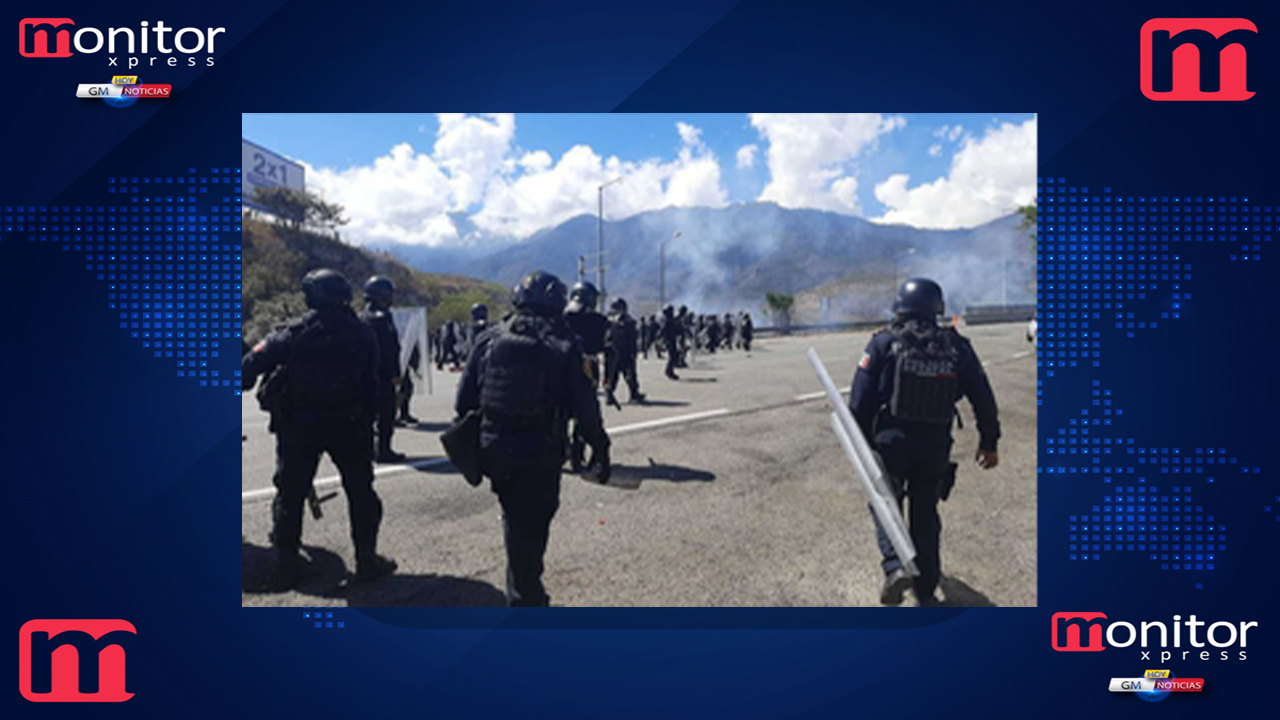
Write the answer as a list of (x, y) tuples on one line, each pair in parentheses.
[(40, 37), (1197, 59), (1069, 632), (74, 660)]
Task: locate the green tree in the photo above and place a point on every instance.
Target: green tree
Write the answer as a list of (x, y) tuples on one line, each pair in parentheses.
[(779, 306), (1028, 213), (296, 209)]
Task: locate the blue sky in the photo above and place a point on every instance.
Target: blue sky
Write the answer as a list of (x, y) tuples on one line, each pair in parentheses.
[(868, 164)]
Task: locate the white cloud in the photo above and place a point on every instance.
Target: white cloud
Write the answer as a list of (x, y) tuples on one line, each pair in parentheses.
[(689, 135), (474, 167), (747, 156), (949, 132), (989, 177), (935, 150), (812, 157), (521, 205)]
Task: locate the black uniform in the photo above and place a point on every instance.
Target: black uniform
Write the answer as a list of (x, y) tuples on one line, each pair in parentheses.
[(746, 331), (526, 377), (384, 328), (590, 327), (321, 393), (621, 356), (713, 334), (903, 398), (404, 393), (672, 335), (448, 346)]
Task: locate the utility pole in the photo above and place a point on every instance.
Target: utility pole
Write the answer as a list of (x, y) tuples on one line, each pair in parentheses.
[(897, 256), (1004, 292), (600, 241), (662, 271)]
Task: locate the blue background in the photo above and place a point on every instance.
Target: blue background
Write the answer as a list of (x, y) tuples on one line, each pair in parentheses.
[(119, 474)]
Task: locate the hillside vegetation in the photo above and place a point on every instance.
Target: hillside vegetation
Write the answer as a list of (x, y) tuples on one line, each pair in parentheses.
[(277, 255)]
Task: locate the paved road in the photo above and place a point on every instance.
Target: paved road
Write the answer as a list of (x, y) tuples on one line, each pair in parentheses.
[(729, 490)]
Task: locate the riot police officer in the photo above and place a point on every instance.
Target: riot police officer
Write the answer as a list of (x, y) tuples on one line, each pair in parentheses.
[(727, 325), (526, 378), (746, 331), (479, 323), (449, 342), (321, 390), (672, 334), (378, 294), (590, 327), (904, 392), (620, 353)]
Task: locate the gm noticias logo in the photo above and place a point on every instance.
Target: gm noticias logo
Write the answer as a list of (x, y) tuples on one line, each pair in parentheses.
[(1197, 59), (74, 660)]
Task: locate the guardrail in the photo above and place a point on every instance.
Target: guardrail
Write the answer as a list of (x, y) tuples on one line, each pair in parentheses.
[(974, 315)]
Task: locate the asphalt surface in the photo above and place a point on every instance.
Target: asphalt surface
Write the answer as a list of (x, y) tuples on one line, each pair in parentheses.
[(729, 489)]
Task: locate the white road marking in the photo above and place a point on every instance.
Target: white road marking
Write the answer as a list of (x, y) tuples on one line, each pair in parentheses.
[(667, 421), (324, 482), (1022, 354), (820, 394), (320, 483)]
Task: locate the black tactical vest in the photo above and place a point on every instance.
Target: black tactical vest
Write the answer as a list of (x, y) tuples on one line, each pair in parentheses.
[(326, 363), (926, 374), (517, 373)]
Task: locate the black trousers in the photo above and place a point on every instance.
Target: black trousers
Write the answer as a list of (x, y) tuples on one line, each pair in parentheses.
[(448, 355), (385, 420), (916, 459), (529, 494), (298, 448), (404, 394), (626, 367), (673, 357)]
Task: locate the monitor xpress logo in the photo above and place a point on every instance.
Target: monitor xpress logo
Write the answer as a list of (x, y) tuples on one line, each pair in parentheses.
[(1084, 632), (1197, 59), (62, 38), (74, 660)]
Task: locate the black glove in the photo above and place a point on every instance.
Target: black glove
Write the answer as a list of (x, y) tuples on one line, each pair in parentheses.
[(600, 469)]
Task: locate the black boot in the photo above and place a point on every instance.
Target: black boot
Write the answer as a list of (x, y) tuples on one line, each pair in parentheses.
[(372, 567)]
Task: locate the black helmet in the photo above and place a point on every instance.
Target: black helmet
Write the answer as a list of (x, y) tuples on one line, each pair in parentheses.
[(618, 305), (379, 289), (668, 310), (540, 291), (479, 311), (585, 294), (325, 288), (921, 297)]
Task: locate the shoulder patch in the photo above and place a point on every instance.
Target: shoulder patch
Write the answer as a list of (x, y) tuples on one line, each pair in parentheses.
[(865, 362)]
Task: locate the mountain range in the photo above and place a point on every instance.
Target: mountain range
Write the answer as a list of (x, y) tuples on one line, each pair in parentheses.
[(727, 259)]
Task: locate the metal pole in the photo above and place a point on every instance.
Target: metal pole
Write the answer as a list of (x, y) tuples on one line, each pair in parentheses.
[(600, 246), (662, 275), (1004, 292)]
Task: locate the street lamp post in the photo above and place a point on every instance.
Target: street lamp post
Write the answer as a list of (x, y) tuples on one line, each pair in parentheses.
[(600, 239), (896, 257), (1004, 290), (662, 271)]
